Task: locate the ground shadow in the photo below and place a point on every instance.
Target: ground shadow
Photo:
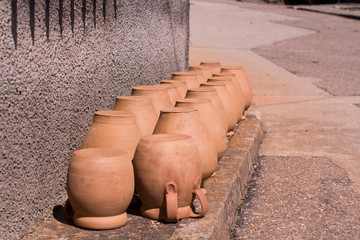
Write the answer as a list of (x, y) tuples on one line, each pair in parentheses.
[(59, 215)]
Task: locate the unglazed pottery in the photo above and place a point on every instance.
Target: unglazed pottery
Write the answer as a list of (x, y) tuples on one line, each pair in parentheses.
[(210, 93), (100, 186), (192, 80), (215, 66), (230, 86), (233, 77), (173, 92), (205, 69), (184, 120), (159, 96), (113, 129), (210, 118), (243, 81), (167, 176), (227, 101), (181, 85), (201, 76), (143, 109)]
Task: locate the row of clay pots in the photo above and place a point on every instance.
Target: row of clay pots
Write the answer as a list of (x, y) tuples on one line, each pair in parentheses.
[(174, 132)]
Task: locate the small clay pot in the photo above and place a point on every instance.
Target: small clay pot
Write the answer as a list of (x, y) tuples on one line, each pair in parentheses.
[(211, 94), (113, 129), (227, 101), (173, 92), (230, 86), (243, 81), (182, 120), (210, 118), (181, 85), (143, 109), (205, 69), (215, 66), (159, 96), (168, 175), (233, 77), (192, 80), (100, 186)]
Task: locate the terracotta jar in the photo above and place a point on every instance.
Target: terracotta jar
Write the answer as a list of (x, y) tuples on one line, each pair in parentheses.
[(182, 120), (167, 176), (233, 77), (238, 101), (192, 80), (227, 101), (210, 118), (211, 94), (113, 129), (205, 69), (143, 109), (100, 186), (159, 96), (243, 81), (173, 92), (181, 85), (201, 76), (215, 66)]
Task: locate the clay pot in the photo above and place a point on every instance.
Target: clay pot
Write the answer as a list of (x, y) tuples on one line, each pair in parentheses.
[(205, 69), (168, 175), (143, 109), (192, 80), (173, 92), (182, 120), (100, 186), (243, 81), (181, 85), (215, 66), (233, 77), (201, 76), (215, 100), (113, 129), (227, 101), (211, 120), (159, 96), (230, 86)]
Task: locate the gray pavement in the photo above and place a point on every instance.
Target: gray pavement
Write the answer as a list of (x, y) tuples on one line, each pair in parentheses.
[(304, 68)]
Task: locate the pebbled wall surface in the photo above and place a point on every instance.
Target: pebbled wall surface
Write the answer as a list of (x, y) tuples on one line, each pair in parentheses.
[(60, 61)]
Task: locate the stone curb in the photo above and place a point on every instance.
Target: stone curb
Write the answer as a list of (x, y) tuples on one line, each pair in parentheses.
[(225, 191)]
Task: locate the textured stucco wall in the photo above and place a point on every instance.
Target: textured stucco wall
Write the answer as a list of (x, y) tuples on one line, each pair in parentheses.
[(50, 90)]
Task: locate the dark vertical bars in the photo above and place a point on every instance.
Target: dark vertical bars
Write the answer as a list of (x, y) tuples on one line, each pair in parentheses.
[(72, 15), (115, 9), (94, 12), (14, 21), (32, 20), (83, 10), (104, 10), (61, 9), (47, 19)]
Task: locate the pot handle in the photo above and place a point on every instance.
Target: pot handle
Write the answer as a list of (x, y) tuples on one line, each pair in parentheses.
[(202, 198), (171, 202)]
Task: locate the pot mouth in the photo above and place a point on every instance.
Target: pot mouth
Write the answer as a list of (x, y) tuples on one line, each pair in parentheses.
[(200, 67), (202, 89), (232, 68), (101, 153), (184, 74), (209, 84), (193, 100), (174, 81), (210, 62), (165, 137), (219, 79), (166, 86), (114, 113), (148, 88), (134, 98), (178, 110), (223, 74)]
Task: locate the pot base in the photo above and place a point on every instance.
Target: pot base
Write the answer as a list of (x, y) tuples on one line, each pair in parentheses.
[(160, 214), (99, 223)]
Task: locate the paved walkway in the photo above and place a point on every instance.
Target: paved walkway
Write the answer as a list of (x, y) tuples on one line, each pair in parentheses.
[(308, 182)]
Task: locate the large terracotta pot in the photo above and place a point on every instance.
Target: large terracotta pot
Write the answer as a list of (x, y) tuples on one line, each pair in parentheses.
[(205, 69), (182, 120), (143, 109), (159, 96), (201, 76), (230, 86), (243, 81), (113, 129), (181, 85), (215, 66), (210, 118), (233, 77), (172, 90), (100, 186), (192, 80), (215, 100), (168, 175)]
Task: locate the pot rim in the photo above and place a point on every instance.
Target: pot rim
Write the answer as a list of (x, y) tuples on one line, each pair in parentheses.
[(113, 113), (107, 153), (178, 109)]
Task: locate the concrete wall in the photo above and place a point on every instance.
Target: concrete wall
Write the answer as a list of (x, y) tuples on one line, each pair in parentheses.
[(63, 69)]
